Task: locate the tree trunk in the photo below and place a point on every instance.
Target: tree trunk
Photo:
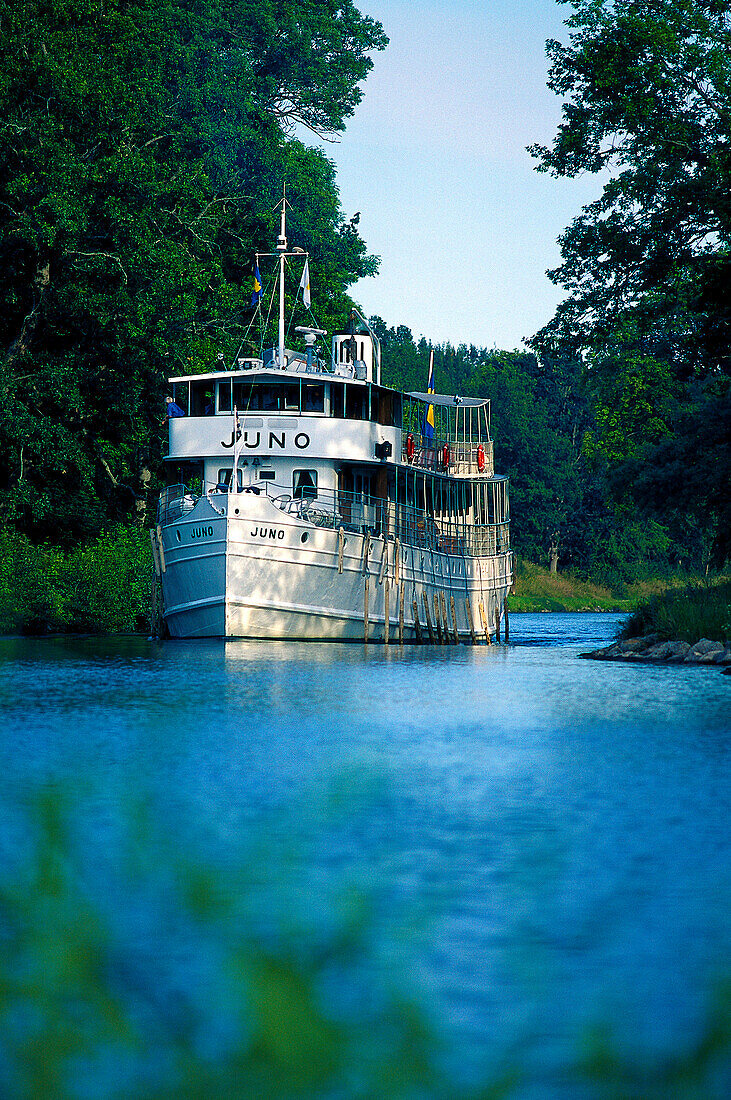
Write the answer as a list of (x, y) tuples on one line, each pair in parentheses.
[(553, 554)]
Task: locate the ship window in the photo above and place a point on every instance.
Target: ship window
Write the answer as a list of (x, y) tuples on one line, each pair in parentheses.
[(266, 475), (385, 407), (313, 398), (189, 474), (304, 484), (337, 399), (224, 396), (356, 403), (253, 397), (181, 395), (243, 396), (224, 478), (201, 398), (292, 398)]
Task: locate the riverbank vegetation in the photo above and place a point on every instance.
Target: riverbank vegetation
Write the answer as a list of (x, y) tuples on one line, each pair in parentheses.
[(100, 588), (536, 588), (130, 210), (104, 587), (685, 614)]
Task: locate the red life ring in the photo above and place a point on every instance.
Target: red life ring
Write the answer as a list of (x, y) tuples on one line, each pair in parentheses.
[(410, 448), (480, 458), (445, 456)]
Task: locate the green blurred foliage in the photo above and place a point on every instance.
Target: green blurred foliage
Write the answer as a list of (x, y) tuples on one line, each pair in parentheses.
[(248, 998), (285, 1011)]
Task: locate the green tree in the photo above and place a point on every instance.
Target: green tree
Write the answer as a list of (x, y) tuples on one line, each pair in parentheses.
[(647, 267), (143, 148)]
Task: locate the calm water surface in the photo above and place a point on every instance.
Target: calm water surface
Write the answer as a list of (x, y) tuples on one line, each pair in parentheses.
[(553, 832)]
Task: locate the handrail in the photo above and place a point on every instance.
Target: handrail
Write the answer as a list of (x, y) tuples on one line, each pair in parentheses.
[(359, 513), (412, 526), (463, 457)]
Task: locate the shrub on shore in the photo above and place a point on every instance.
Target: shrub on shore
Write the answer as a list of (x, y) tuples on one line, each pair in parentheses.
[(686, 614), (102, 588)]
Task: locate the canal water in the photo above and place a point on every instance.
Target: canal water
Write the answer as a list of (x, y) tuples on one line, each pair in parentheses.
[(537, 845)]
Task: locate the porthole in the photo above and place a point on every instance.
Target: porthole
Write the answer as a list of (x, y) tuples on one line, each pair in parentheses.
[(236, 511), (304, 536), (177, 533)]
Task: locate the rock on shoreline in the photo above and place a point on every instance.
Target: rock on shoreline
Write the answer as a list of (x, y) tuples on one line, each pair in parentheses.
[(653, 650)]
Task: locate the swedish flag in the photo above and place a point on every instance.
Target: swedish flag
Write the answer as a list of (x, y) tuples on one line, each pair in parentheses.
[(428, 428), (257, 291)]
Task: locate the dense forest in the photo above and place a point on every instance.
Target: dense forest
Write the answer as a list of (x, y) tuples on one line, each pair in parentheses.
[(143, 149), (144, 145)]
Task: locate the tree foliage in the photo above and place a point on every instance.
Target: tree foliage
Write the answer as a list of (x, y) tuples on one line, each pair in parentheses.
[(143, 149), (647, 267), (648, 98)]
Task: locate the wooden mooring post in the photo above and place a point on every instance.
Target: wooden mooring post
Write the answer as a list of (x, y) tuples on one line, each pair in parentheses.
[(429, 626), (438, 620), (454, 620), (483, 616), (445, 622), (417, 624), (468, 609), (507, 621), (365, 610), (386, 612), (497, 626), (366, 551), (401, 615)]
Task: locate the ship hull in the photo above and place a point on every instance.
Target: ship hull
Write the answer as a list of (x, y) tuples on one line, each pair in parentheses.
[(239, 567)]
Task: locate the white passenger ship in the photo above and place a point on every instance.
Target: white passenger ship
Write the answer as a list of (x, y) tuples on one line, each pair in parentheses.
[(349, 516)]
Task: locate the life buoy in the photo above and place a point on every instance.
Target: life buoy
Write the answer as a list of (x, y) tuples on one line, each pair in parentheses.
[(445, 456), (410, 447), (480, 458)]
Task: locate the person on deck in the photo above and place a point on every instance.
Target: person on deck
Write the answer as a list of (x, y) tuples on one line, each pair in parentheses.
[(173, 409)]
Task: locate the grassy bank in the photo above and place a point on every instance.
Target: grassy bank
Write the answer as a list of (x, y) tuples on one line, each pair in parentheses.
[(537, 589), (685, 614), (103, 588)]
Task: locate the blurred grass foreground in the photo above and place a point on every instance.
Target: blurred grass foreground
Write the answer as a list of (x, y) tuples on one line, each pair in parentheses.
[(174, 981)]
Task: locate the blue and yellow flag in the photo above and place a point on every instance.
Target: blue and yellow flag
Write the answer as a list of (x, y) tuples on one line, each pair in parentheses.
[(428, 428), (257, 291)]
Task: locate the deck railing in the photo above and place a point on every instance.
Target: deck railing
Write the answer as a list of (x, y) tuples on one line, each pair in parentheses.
[(412, 526), (448, 456), (362, 514), (174, 501)]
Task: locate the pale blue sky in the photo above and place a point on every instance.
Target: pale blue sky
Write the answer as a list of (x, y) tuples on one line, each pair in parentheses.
[(435, 160)]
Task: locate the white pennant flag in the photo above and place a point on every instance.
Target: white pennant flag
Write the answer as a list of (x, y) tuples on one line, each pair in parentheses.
[(305, 284)]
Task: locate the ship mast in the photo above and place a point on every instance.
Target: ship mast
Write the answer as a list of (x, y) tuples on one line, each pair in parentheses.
[(281, 249)]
